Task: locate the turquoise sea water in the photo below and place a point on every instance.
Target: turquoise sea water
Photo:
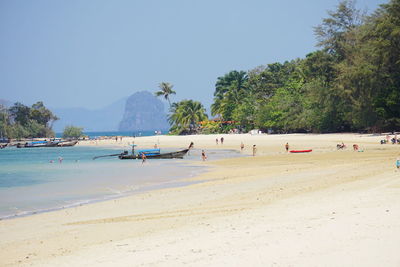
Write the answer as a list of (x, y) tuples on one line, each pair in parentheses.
[(33, 180)]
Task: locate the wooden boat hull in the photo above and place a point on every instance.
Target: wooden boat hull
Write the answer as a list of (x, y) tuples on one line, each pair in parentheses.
[(301, 151), (49, 144), (35, 146), (67, 143), (170, 155)]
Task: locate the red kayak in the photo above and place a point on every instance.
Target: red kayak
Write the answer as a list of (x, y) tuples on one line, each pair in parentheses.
[(300, 151)]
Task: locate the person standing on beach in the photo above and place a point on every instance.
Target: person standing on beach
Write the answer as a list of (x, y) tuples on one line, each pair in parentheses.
[(398, 163), (216, 141), (60, 160), (241, 147), (143, 158), (222, 140), (203, 155), (254, 150), (287, 147)]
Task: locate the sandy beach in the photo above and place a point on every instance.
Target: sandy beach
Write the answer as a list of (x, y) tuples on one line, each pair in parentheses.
[(325, 208)]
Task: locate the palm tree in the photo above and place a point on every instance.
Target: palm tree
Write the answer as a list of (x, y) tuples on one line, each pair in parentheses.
[(185, 115), (230, 90), (166, 91)]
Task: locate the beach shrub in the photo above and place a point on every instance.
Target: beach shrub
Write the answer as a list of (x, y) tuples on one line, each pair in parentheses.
[(210, 127), (72, 132)]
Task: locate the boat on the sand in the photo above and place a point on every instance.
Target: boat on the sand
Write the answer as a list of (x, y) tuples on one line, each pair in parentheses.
[(67, 143)]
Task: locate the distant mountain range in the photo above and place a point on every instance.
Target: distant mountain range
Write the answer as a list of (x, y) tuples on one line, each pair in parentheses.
[(142, 111)]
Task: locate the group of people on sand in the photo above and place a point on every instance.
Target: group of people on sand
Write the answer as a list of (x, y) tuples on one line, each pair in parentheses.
[(343, 146), (393, 140)]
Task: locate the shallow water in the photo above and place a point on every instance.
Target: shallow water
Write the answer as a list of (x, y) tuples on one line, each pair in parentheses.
[(33, 180)]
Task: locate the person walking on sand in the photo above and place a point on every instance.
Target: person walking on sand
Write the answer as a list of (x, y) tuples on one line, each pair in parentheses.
[(254, 150), (241, 147), (203, 155), (216, 141), (287, 147), (143, 158), (398, 163), (222, 140)]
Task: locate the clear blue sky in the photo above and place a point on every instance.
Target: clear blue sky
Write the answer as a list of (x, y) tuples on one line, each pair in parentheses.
[(90, 53)]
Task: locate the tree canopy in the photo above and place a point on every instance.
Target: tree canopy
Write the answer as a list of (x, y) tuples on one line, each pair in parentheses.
[(351, 84), (72, 132), (185, 116), (20, 121)]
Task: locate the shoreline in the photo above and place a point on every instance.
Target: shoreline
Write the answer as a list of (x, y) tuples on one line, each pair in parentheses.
[(240, 198), (180, 181)]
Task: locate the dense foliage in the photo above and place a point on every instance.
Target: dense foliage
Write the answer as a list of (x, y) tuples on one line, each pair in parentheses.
[(185, 116), (351, 84), (20, 121), (72, 132)]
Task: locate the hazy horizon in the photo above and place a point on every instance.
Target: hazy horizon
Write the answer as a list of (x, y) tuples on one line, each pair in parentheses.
[(92, 53)]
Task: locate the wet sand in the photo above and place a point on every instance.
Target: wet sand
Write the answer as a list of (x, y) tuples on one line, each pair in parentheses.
[(326, 208)]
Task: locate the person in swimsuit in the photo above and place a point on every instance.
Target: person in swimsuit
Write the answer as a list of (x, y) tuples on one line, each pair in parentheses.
[(143, 158), (241, 146), (254, 150), (398, 163), (203, 155), (287, 147)]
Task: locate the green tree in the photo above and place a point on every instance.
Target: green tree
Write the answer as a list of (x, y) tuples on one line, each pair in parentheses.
[(20, 113), (335, 30), (23, 121), (165, 91), (72, 132), (230, 90), (42, 115), (186, 115), (4, 121)]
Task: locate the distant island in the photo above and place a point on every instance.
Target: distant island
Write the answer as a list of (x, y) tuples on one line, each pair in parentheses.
[(143, 112)]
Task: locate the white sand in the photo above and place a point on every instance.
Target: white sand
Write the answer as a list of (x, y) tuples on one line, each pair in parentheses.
[(326, 208)]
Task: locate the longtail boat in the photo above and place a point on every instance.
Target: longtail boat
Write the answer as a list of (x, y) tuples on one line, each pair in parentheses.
[(67, 143), (150, 154), (35, 144), (170, 155)]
